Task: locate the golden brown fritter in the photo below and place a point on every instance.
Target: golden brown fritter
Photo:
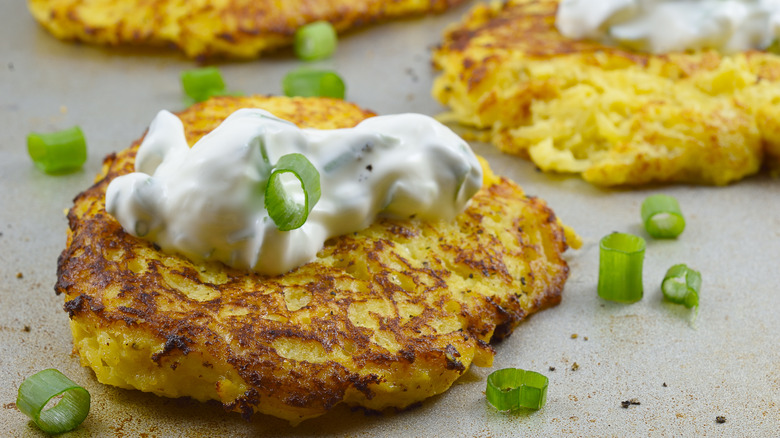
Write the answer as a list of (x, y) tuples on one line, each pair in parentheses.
[(616, 117), (206, 28), (383, 317)]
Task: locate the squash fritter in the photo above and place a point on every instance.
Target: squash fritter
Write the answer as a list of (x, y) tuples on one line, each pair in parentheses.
[(617, 117), (384, 317), (209, 28)]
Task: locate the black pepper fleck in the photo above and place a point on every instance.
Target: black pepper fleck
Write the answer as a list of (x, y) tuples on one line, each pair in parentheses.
[(720, 419), (552, 368)]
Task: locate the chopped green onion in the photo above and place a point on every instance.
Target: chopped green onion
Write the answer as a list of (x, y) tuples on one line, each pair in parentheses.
[(774, 47), (315, 41), (662, 217), (513, 388), (620, 267), (313, 83), (287, 213), (203, 83), (58, 152), (37, 390), (681, 285)]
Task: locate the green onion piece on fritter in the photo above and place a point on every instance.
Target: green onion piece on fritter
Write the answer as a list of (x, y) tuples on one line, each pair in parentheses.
[(37, 390), (58, 152), (513, 388), (662, 217), (620, 267), (313, 83), (287, 212), (681, 285), (315, 41)]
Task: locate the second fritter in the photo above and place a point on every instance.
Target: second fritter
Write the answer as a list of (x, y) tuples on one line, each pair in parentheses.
[(614, 116)]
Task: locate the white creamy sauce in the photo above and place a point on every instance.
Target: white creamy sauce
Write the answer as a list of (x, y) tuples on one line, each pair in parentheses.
[(663, 26), (207, 202)]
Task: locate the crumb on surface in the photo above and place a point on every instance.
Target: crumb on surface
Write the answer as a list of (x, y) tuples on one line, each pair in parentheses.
[(19, 275), (626, 403), (575, 366)]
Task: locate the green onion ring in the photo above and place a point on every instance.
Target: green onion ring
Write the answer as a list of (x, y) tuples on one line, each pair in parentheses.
[(58, 152), (662, 217), (315, 41), (37, 390), (285, 212), (681, 285), (313, 83), (513, 388), (620, 267)]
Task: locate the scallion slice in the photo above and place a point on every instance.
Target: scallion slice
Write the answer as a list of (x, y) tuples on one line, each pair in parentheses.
[(286, 212), (202, 83), (513, 388), (58, 152), (620, 267), (37, 390), (774, 47), (662, 217), (681, 285), (313, 83), (315, 41)]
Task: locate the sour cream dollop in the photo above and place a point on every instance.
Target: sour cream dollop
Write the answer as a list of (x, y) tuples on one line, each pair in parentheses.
[(663, 26), (207, 202)]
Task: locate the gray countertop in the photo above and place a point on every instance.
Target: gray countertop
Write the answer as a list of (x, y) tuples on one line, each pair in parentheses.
[(683, 374)]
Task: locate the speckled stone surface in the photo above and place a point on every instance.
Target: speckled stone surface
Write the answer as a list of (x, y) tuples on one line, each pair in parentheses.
[(683, 375)]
